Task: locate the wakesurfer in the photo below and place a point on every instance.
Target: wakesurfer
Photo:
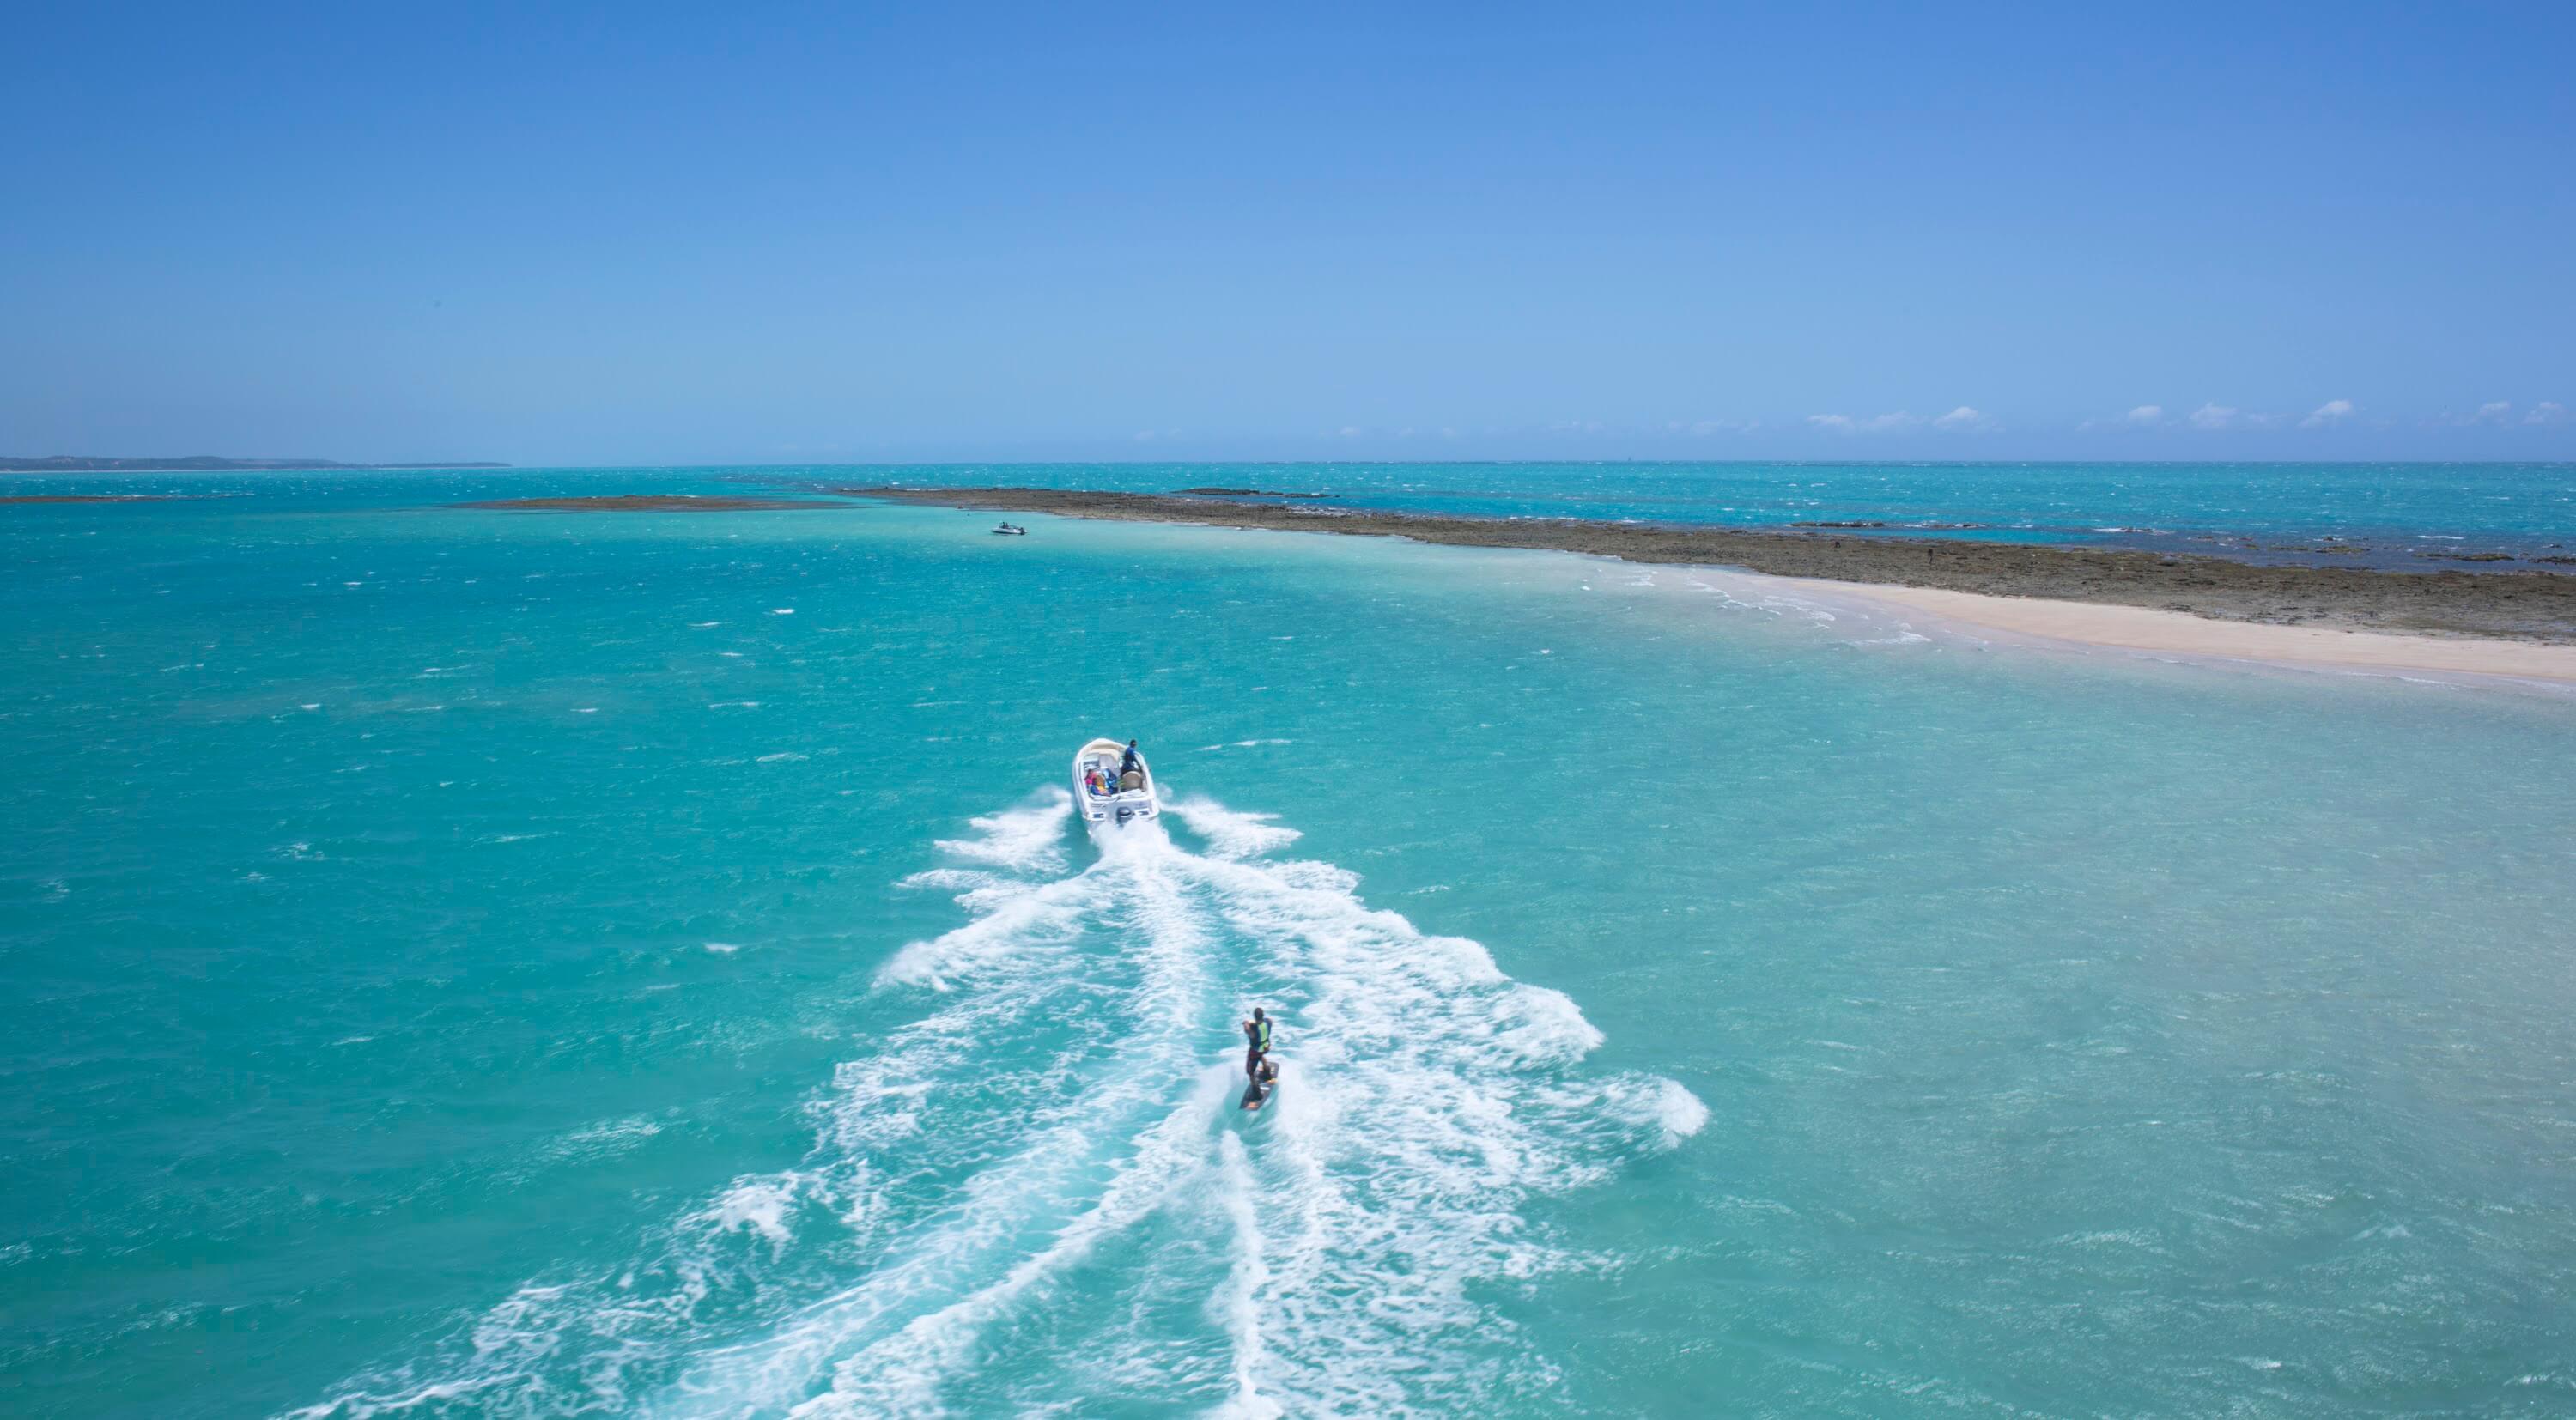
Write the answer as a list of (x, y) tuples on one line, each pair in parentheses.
[(1256, 1044)]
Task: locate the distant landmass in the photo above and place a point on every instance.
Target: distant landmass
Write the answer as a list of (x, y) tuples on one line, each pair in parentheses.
[(69, 463)]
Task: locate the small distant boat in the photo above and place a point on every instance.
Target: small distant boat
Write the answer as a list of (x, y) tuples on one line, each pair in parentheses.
[(1118, 805), (1010, 530)]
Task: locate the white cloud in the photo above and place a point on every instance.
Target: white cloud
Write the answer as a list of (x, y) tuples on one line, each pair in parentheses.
[(2547, 412), (2228, 416), (2333, 411), (1350, 431), (2145, 416), (1893, 423), (2493, 411), (1966, 420)]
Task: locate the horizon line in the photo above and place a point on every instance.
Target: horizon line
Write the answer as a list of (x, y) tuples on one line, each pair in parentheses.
[(181, 463)]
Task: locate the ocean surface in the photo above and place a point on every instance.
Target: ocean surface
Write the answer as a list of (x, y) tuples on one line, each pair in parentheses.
[(2404, 516), (487, 963), (2409, 516)]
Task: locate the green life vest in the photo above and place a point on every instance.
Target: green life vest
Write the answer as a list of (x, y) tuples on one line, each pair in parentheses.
[(1263, 1026)]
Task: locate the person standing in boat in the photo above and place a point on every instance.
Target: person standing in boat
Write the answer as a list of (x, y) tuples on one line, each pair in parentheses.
[(1130, 762)]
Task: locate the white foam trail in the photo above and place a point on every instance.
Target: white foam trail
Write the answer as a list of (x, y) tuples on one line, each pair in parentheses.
[(1231, 833), (1029, 838), (953, 1243), (1241, 1298), (1414, 1136), (901, 1374), (1017, 923), (760, 1205), (1061, 1142)]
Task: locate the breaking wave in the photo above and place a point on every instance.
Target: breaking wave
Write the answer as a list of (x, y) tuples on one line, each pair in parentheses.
[(1037, 1193)]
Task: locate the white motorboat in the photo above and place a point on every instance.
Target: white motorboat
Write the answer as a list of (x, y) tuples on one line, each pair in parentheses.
[(1010, 530), (1097, 764)]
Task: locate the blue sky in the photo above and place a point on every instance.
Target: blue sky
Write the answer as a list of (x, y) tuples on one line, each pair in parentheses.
[(697, 234)]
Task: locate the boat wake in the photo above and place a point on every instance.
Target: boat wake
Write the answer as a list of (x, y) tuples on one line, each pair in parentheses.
[(1037, 1193)]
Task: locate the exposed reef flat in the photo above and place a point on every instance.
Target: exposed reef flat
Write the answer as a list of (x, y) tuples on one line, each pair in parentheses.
[(2507, 606), (650, 503)]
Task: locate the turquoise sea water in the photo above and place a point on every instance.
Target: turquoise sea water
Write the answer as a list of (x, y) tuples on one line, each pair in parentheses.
[(2412, 516), (470, 963)]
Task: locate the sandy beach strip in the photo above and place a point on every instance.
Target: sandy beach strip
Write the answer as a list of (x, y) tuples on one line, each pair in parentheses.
[(2149, 631), (2519, 625)]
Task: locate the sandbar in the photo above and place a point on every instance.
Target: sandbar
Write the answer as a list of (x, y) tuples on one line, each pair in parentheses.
[(2515, 624), (2154, 632)]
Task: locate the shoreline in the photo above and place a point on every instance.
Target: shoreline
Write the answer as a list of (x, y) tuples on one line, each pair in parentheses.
[(2516, 625), (2147, 631)]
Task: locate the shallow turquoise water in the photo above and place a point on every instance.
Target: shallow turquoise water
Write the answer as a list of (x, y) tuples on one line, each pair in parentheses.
[(2411, 516), (473, 963)]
